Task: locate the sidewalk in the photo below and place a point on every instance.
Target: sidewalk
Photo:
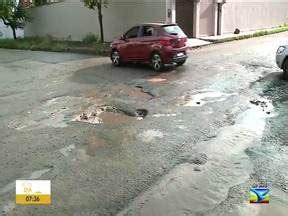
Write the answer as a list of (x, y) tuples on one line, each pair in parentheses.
[(195, 43), (224, 37), (242, 35)]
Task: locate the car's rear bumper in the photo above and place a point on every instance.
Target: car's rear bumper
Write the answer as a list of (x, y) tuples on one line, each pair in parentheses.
[(174, 55), (178, 59)]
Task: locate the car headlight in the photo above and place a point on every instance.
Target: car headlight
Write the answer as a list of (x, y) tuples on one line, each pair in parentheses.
[(281, 49)]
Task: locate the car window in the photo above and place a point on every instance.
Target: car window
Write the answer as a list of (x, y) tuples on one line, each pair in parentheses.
[(132, 33), (148, 31), (174, 30)]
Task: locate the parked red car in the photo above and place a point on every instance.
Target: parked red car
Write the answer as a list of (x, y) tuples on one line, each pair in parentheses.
[(155, 43)]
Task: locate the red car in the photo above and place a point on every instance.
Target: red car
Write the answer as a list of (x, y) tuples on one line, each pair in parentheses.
[(155, 43)]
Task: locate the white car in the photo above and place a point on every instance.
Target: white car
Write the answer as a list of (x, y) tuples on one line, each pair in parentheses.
[(282, 59)]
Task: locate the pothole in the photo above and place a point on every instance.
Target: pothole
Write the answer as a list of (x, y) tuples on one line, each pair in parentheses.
[(202, 97), (265, 105), (110, 115)]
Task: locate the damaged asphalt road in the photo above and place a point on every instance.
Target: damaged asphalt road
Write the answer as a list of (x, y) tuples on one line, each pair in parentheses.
[(129, 141)]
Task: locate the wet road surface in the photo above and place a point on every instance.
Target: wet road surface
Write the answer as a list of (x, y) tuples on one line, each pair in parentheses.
[(129, 141)]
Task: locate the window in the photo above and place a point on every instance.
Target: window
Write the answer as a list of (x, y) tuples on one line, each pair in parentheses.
[(148, 31), (132, 33), (174, 30)]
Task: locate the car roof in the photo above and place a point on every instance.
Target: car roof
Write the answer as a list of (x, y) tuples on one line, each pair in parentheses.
[(156, 24)]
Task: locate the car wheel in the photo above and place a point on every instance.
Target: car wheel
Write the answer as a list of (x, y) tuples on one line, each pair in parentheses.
[(115, 58), (285, 69), (181, 63), (157, 62)]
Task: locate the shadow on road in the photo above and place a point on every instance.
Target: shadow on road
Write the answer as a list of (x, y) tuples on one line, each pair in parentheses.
[(107, 73)]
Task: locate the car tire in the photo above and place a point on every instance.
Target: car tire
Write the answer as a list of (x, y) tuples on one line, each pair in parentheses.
[(181, 63), (115, 58), (157, 62), (285, 70)]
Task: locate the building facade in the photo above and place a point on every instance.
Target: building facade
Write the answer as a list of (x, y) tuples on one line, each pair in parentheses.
[(71, 19)]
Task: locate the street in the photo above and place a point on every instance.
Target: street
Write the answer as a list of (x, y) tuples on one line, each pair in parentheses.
[(191, 140)]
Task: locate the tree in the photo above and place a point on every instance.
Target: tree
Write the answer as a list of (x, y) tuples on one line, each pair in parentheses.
[(13, 14), (99, 4)]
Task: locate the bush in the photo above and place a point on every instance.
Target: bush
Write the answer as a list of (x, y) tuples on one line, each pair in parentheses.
[(91, 38)]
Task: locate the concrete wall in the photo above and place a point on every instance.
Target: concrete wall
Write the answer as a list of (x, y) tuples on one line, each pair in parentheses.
[(207, 17), (71, 19), (6, 32), (253, 15)]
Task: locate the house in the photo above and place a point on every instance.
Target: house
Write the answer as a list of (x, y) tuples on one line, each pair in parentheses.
[(71, 19)]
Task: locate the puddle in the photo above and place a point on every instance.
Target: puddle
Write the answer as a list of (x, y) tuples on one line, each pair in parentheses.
[(203, 97), (110, 115), (115, 118), (254, 119), (150, 135)]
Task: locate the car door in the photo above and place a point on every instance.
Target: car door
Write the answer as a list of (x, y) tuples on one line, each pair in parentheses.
[(148, 36), (129, 48)]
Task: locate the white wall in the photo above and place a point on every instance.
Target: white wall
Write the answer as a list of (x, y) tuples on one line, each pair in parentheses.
[(6, 32), (253, 15), (72, 19), (207, 17)]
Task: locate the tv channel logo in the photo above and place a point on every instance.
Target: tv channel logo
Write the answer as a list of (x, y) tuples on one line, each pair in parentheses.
[(259, 195)]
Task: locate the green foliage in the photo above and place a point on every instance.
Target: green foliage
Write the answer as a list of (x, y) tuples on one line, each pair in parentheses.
[(98, 4), (92, 4), (91, 38), (49, 43), (13, 14)]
